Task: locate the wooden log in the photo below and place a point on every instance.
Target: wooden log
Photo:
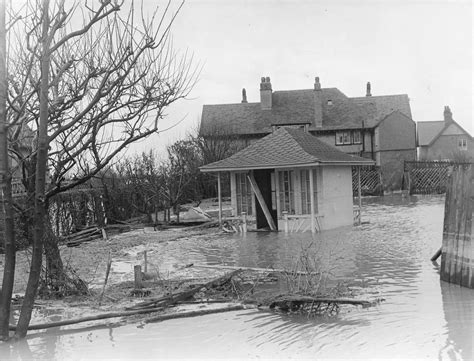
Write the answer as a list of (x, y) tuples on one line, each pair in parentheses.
[(309, 299), (256, 269), (436, 255), (194, 313), (83, 232), (184, 295), (261, 201), (89, 318)]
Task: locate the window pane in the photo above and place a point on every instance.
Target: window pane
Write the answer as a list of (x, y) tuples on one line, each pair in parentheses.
[(286, 192), (357, 137)]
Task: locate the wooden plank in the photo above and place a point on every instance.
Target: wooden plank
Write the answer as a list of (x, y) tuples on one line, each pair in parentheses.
[(359, 196), (261, 201), (466, 239), (311, 190), (452, 225), (456, 264), (446, 249), (219, 195)]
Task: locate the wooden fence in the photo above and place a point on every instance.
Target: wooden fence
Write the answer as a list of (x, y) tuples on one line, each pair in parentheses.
[(370, 181), (457, 254), (426, 177)]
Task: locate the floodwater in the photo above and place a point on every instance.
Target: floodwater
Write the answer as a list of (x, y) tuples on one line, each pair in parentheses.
[(388, 257)]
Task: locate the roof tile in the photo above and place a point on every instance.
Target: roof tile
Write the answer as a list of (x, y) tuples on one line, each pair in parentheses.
[(285, 148)]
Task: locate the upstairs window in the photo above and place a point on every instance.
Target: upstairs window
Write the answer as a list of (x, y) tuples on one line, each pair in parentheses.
[(462, 144), (343, 138), (357, 137)]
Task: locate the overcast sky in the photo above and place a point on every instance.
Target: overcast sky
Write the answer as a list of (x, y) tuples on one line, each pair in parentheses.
[(420, 48)]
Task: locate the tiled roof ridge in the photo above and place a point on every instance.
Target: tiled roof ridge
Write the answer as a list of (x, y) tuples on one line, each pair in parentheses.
[(379, 96), (227, 104)]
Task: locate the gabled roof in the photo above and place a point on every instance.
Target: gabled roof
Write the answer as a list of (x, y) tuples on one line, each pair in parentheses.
[(429, 131), (285, 148), (297, 107)]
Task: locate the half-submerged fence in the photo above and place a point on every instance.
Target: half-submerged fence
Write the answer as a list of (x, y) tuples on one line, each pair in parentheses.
[(370, 180), (457, 253), (426, 177)]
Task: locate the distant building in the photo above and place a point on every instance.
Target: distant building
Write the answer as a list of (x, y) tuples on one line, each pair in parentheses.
[(444, 140), (375, 127), (293, 172)]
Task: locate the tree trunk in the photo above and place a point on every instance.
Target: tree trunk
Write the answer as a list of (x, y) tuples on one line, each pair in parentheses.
[(6, 179), (55, 279), (40, 205)]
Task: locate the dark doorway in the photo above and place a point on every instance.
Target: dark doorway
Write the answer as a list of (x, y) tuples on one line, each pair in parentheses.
[(264, 181)]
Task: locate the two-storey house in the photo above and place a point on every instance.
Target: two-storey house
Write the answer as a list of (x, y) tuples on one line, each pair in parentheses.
[(375, 127)]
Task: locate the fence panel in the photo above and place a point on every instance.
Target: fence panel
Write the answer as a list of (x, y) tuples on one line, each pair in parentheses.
[(426, 177), (370, 180)]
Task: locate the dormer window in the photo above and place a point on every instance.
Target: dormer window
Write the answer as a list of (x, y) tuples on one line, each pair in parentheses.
[(329, 102)]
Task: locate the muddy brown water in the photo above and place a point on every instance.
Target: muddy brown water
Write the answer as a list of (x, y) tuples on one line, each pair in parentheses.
[(421, 317)]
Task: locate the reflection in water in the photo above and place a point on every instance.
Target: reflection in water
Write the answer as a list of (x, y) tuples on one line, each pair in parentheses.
[(458, 306), (389, 257)]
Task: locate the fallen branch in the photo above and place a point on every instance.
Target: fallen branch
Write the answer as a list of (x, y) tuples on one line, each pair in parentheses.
[(88, 318), (193, 313), (253, 269), (309, 299), (184, 295)]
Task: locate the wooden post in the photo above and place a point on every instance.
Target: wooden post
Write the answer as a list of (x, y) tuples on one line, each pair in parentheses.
[(244, 222), (457, 256), (311, 189), (359, 195), (285, 219), (138, 276), (219, 195), (261, 201)]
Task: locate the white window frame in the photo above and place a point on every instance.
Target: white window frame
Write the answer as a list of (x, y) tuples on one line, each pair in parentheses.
[(343, 137), (462, 143), (359, 141)]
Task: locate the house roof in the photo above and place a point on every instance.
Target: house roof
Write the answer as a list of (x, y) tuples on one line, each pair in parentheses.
[(285, 148), (297, 107), (429, 131)]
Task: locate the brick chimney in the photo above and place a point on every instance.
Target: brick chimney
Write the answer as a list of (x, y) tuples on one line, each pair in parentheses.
[(368, 93), (318, 104), (266, 93), (448, 115), (244, 95)]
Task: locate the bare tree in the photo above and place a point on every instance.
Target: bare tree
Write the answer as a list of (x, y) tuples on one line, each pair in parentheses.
[(6, 186), (87, 92)]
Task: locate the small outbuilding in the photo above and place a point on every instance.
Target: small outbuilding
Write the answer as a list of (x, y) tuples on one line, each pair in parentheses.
[(291, 175)]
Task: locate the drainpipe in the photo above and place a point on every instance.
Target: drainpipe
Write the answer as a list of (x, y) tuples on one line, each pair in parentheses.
[(219, 195)]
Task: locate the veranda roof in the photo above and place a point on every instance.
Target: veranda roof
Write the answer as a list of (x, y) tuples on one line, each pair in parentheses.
[(285, 148)]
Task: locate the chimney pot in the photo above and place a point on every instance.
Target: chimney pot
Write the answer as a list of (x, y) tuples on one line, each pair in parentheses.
[(318, 104), (368, 94), (317, 84), (448, 115), (244, 95), (266, 93)]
